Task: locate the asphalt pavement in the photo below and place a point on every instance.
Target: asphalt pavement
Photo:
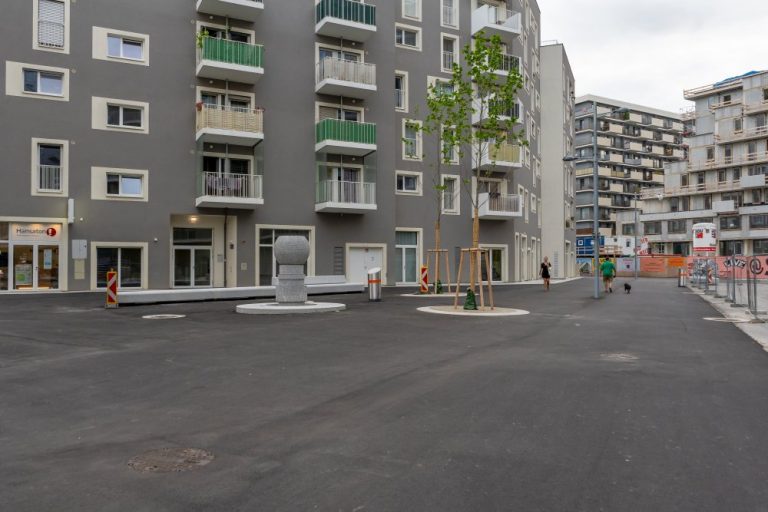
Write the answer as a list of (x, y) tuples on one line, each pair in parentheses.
[(627, 403)]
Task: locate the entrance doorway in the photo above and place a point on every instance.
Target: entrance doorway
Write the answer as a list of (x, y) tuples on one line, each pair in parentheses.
[(406, 257), (192, 257), (361, 259), (29, 256), (496, 255)]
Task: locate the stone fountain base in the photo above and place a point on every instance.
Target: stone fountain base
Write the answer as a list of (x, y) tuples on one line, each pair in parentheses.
[(277, 308)]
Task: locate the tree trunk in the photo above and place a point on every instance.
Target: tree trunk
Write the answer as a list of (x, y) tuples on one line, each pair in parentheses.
[(437, 253)]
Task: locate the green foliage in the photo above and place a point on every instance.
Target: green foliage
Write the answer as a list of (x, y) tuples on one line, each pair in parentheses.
[(200, 37), (470, 302)]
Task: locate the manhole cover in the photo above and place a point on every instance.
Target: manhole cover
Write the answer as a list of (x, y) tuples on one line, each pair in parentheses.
[(726, 320), (168, 460), (618, 357), (166, 316)]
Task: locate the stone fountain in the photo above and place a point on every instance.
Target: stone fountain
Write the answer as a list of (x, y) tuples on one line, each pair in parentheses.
[(291, 253)]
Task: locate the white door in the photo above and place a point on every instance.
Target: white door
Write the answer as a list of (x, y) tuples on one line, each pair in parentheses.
[(362, 259)]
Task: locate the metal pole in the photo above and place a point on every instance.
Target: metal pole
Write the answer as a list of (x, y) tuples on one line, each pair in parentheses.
[(595, 197), (636, 236)]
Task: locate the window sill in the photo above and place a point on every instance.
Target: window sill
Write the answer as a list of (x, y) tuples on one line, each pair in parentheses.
[(407, 47), (416, 193), (44, 96), (127, 60)]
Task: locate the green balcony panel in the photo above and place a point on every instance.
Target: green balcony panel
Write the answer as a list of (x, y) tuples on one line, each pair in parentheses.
[(346, 10), (345, 131), (233, 52)]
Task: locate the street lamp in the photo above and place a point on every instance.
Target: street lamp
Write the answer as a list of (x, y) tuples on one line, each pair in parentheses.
[(595, 181)]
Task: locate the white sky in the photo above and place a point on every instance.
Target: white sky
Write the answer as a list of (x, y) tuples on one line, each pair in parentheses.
[(648, 51)]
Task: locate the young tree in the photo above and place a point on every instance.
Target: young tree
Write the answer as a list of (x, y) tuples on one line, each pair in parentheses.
[(480, 90)]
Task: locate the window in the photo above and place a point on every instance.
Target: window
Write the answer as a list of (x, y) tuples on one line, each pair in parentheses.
[(676, 226), (674, 204), (730, 222), (533, 203), (736, 174), (126, 261), (721, 176), (450, 152), (710, 153), (401, 91), (50, 29), (758, 221), (124, 117), (700, 178), (707, 202), (684, 180), (628, 229), (43, 82), (737, 124), (124, 48), (450, 195), (450, 47), (736, 197), (449, 16), (124, 185), (267, 236), (760, 246), (765, 94), (652, 228), (49, 169), (412, 9), (411, 140), (408, 183), (406, 256), (408, 37), (757, 196)]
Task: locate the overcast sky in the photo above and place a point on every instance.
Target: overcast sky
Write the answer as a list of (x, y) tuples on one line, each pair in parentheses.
[(648, 51)]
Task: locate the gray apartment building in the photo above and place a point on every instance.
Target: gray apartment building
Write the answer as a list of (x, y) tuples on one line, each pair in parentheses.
[(634, 144), (557, 182), (175, 140), (723, 180)]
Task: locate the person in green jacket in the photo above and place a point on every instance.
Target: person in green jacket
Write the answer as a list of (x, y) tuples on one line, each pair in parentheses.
[(608, 269)]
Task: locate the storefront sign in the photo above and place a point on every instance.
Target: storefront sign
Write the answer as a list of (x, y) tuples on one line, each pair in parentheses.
[(676, 262), (36, 232)]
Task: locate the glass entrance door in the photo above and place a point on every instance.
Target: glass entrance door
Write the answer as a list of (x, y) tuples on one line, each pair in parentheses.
[(192, 266), (406, 251), (4, 275), (47, 267), (496, 256), (23, 267)]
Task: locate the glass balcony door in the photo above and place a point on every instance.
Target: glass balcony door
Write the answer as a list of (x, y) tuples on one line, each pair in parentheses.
[(192, 266)]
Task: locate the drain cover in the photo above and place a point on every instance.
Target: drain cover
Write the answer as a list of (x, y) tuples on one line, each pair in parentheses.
[(166, 316), (168, 460), (618, 357)]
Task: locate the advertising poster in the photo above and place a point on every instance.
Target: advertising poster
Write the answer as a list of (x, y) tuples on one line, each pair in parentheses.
[(23, 274)]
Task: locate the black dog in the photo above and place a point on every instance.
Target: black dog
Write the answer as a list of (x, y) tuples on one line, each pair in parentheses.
[(627, 287)]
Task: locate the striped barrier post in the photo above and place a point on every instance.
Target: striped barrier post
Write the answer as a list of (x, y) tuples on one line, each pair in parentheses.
[(423, 282), (111, 289)]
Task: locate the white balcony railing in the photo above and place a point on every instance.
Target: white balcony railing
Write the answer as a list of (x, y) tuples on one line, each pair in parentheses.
[(346, 192), (49, 178), (230, 185), (492, 17), (757, 181), (411, 147), (450, 200), (399, 98), (331, 68), (448, 60), (755, 131), (504, 203), (749, 158), (230, 118)]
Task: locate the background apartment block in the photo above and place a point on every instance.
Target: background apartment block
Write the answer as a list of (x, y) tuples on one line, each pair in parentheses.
[(723, 180), (633, 146), (557, 184), (176, 140)]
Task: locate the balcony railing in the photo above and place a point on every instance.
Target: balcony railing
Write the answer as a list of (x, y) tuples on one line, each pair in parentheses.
[(399, 98), (449, 16), (49, 178), (754, 132), (331, 68), (705, 188), (232, 52), (347, 10), (345, 131), (228, 118), (449, 200), (750, 158), (230, 185), (448, 60), (504, 203), (509, 63), (754, 108), (50, 34), (346, 192)]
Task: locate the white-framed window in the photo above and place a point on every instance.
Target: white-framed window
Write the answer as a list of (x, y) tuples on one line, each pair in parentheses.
[(450, 52), (50, 28), (533, 203), (526, 204), (113, 184), (119, 115), (538, 210), (527, 82), (451, 151), (43, 82), (451, 194), (124, 117), (50, 162), (411, 139), (407, 36), (412, 9), (408, 183), (128, 259), (407, 255), (401, 91), (120, 46), (449, 14)]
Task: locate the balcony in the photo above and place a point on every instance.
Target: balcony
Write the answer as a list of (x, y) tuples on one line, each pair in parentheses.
[(508, 63), (225, 125), (499, 158), (228, 190), (345, 137), (495, 206), (339, 77), (491, 20), (222, 59), (345, 19), (756, 108), (750, 158), (756, 132), (507, 114), (345, 197), (248, 10), (746, 182)]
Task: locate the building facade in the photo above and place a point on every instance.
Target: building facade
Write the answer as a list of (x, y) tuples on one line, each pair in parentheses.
[(174, 141), (634, 143), (723, 181), (557, 182)]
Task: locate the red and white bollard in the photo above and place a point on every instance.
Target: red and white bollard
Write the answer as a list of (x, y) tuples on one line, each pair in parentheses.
[(424, 281), (111, 289)]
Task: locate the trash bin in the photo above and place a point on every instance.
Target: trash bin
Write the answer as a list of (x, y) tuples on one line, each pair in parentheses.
[(374, 284), (681, 277)]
